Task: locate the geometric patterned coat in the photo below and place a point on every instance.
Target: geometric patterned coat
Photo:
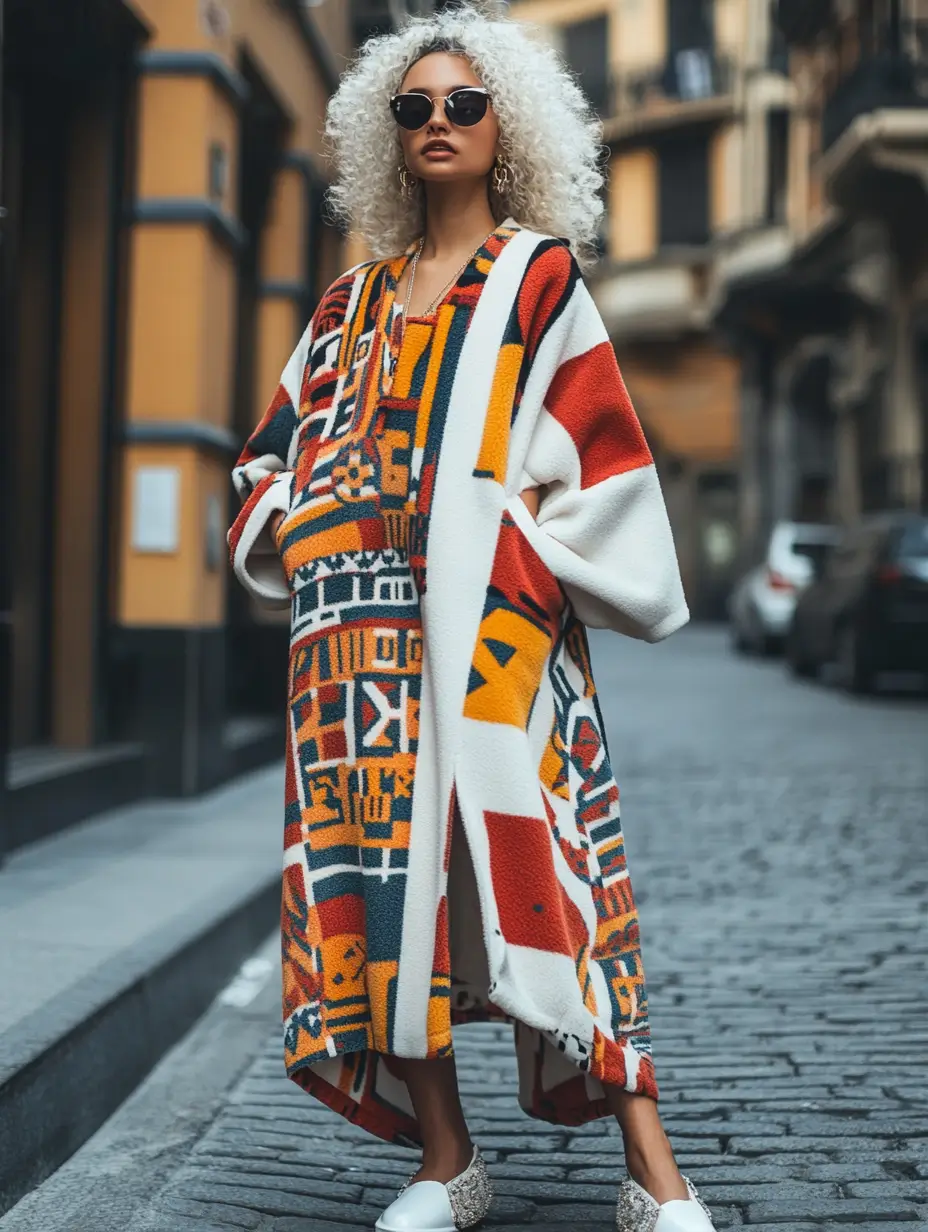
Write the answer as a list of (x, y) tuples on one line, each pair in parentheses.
[(440, 682)]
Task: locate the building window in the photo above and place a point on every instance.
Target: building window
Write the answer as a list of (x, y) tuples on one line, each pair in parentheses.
[(692, 69), (689, 26), (777, 165), (586, 47), (683, 176), (777, 49)]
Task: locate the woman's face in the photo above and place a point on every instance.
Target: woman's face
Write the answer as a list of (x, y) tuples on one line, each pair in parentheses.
[(466, 152)]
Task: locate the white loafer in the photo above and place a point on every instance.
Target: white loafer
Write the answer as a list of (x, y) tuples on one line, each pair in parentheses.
[(638, 1212), (430, 1206)]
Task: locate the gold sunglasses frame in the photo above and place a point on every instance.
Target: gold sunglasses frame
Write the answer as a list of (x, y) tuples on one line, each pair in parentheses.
[(443, 99)]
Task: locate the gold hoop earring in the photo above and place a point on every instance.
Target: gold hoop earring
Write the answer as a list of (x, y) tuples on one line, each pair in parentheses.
[(502, 176), (407, 182)]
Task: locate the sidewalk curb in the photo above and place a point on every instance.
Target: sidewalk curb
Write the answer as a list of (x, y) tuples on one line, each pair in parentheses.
[(61, 1095)]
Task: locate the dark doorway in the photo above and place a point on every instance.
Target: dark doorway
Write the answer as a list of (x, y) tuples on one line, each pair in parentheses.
[(261, 143), (874, 472), (920, 343), (777, 165), (256, 662), (717, 545), (33, 176), (67, 105)]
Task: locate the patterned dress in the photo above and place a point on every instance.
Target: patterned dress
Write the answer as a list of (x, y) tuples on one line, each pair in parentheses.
[(453, 848)]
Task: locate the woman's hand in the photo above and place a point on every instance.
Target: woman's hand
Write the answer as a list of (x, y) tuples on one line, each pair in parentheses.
[(531, 498)]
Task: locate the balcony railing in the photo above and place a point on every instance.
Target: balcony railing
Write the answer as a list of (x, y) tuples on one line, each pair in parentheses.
[(885, 80), (687, 76)]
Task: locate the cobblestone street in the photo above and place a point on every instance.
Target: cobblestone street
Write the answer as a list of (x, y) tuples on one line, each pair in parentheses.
[(778, 843)]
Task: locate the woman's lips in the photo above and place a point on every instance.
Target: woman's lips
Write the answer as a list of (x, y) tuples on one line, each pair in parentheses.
[(439, 152)]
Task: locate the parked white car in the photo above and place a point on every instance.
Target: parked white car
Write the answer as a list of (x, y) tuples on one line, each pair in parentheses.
[(761, 605)]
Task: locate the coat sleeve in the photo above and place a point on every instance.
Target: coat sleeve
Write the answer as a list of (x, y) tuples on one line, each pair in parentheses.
[(263, 479), (602, 526)]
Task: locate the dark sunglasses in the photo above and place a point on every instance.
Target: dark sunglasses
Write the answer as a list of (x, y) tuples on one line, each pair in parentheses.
[(463, 108)]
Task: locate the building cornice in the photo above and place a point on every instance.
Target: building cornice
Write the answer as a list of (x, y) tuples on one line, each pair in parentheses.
[(187, 432), (186, 210), (206, 64)]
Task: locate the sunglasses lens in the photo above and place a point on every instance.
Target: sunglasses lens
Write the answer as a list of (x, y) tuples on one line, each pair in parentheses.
[(412, 111), (466, 107)]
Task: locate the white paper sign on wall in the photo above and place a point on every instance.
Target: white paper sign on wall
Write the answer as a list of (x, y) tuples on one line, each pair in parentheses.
[(156, 509)]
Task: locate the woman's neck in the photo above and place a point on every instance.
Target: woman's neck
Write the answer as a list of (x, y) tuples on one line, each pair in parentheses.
[(457, 219)]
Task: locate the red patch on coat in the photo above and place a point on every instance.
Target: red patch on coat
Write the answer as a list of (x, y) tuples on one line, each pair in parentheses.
[(533, 908), (334, 745), (544, 285), (341, 915), (589, 399), (522, 576), (372, 533), (441, 958)]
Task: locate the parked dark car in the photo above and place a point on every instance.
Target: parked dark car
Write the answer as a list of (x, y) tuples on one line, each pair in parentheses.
[(868, 609)]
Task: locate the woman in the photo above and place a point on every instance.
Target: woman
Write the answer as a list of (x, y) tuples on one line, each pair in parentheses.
[(455, 482)]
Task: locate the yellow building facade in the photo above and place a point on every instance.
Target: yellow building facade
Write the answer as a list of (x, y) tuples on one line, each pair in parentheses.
[(164, 246)]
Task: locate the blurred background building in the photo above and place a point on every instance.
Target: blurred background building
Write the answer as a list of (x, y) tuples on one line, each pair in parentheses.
[(696, 100), (763, 278), (763, 259), (832, 327)]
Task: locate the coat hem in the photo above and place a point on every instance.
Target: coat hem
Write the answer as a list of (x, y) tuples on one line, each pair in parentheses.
[(568, 1104), (388, 1127)]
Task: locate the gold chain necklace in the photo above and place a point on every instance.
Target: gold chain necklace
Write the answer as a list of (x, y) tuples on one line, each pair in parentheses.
[(394, 358), (450, 283)]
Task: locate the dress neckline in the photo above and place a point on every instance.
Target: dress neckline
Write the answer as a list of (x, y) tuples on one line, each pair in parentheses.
[(396, 267)]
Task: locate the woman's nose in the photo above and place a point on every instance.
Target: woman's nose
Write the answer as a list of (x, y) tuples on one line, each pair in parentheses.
[(438, 116)]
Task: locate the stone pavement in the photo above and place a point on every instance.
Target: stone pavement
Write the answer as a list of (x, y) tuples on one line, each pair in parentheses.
[(777, 835)]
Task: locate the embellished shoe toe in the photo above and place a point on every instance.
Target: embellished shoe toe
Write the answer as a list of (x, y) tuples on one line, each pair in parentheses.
[(430, 1206), (638, 1212)]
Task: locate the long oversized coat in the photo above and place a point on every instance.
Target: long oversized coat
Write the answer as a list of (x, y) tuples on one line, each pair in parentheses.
[(440, 680)]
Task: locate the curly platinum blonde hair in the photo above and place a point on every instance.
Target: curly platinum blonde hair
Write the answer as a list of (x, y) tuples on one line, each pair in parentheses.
[(549, 135)]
